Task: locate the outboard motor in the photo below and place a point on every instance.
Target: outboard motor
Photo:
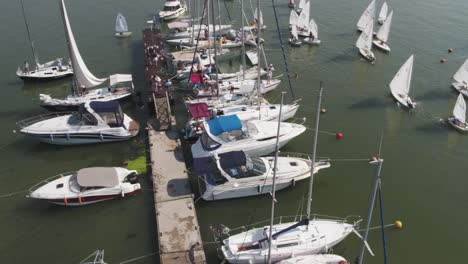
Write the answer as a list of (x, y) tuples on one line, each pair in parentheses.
[(132, 178)]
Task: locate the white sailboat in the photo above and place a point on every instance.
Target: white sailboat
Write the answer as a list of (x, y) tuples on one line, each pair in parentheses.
[(400, 84), (256, 19), (383, 13), (120, 85), (458, 119), (383, 33), (313, 38), (41, 72), (121, 27), (364, 42), (301, 5), (316, 259), (367, 16), (460, 79), (303, 21), (293, 18), (294, 39)]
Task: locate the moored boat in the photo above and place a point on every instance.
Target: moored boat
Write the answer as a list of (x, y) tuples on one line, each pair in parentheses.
[(458, 119)]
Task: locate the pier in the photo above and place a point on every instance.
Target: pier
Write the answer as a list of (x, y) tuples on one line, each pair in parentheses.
[(178, 231)]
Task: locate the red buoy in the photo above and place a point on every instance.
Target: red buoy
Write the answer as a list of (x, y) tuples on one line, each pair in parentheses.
[(373, 158), (443, 60), (450, 50), (338, 135)]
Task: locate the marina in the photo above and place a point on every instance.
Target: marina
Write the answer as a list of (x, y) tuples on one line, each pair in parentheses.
[(187, 169)]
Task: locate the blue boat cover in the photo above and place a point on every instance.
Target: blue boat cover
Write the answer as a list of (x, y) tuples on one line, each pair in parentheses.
[(100, 107), (223, 124), (227, 160)]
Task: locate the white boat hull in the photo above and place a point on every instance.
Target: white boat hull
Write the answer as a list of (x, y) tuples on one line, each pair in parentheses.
[(79, 138), (168, 15), (368, 55), (315, 259), (123, 34), (312, 42), (403, 100), (381, 45), (459, 127), (45, 74)]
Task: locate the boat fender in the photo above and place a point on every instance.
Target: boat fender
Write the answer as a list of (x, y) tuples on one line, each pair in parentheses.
[(51, 137), (293, 182), (65, 200), (259, 188), (68, 137), (80, 200), (123, 193), (101, 136)]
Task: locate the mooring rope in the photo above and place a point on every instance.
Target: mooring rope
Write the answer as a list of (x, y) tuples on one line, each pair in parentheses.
[(384, 240), (13, 193)]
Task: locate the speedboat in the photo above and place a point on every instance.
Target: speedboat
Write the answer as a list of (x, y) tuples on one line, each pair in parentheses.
[(458, 119), (43, 72), (255, 138), (95, 122), (172, 9), (235, 174), (315, 259), (87, 186)]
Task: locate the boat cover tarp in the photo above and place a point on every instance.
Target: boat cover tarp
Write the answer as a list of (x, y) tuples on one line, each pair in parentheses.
[(101, 107), (199, 110), (223, 124), (227, 160), (97, 177), (196, 78)]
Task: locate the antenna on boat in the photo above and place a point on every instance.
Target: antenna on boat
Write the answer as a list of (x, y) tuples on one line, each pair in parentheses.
[(273, 191)]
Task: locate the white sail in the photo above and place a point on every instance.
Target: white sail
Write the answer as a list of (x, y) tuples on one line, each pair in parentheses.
[(306, 10), (313, 28), (400, 84), (461, 75), (293, 18), (302, 4), (383, 12), (294, 31), (384, 30), (369, 14), (82, 75), (303, 21), (121, 24), (459, 111), (256, 16), (365, 39)]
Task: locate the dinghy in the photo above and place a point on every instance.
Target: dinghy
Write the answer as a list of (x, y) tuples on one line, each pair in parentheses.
[(366, 17), (383, 33), (293, 18), (256, 138), (383, 13), (236, 174), (460, 79), (316, 259), (293, 38), (121, 27), (312, 39), (95, 122), (172, 9), (87, 186), (458, 119), (41, 72), (303, 21), (400, 84), (364, 42), (256, 21)]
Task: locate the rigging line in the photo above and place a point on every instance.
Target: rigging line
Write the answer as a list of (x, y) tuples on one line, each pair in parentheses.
[(227, 10), (320, 131), (198, 39), (13, 193), (282, 49), (384, 240)]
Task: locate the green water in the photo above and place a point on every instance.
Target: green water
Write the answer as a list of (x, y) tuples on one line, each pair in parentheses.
[(423, 183)]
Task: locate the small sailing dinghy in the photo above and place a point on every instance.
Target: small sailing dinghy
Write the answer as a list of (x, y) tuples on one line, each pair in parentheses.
[(293, 18), (364, 42), (383, 13), (400, 84), (458, 119), (312, 39), (121, 27), (293, 38), (172, 9), (383, 33), (460, 79), (42, 72), (302, 24), (255, 138), (366, 17), (235, 174), (87, 186), (316, 259), (95, 122)]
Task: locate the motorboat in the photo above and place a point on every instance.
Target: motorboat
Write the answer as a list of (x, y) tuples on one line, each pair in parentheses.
[(235, 174), (364, 42), (458, 119), (95, 122), (255, 138), (383, 33), (121, 27), (87, 186), (315, 259), (367, 16), (172, 9), (401, 83), (460, 79)]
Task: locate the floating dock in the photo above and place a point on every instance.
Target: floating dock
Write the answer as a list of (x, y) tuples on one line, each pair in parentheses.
[(178, 230)]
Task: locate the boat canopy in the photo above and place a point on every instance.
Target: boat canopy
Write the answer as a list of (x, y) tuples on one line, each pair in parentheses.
[(223, 124), (227, 160), (178, 25), (199, 110), (97, 177)]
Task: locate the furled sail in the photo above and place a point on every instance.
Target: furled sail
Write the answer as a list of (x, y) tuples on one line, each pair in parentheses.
[(384, 31), (383, 12), (459, 111), (82, 75), (402, 80), (369, 14), (365, 39), (461, 75), (121, 24)]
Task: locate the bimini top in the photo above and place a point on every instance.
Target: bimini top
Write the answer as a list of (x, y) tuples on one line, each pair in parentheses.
[(227, 160), (100, 107), (199, 110), (97, 177), (223, 124)]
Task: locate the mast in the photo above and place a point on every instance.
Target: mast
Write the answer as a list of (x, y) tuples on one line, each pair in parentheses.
[(214, 46), (243, 41), (273, 191), (259, 68), (31, 42), (70, 52), (314, 149), (208, 28)]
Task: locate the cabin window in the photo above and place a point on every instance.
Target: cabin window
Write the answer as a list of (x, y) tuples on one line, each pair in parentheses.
[(84, 118), (293, 163), (287, 245), (171, 8), (113, 119), (60, 185)]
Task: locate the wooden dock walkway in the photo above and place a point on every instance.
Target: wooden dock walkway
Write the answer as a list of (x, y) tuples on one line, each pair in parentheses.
[(178, 230)]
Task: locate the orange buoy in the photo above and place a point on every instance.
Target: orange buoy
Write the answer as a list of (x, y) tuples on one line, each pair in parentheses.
[(65, 200), (339, 135), (398, 224), (443, 60), (450, 50)]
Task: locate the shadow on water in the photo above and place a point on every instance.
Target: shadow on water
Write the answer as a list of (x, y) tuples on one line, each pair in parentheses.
[(370, 103), (434, 127), (345, 56), (435, 95)]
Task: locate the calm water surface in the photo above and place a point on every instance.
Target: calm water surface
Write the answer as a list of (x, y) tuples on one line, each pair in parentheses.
[(423, 183)]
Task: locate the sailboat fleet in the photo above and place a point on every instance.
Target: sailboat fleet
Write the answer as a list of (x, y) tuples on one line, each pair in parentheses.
[(302, 24)]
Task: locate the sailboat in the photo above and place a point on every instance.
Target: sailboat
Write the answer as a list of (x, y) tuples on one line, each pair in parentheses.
[(256, 20), (382, 34), (303, 21), (383, 13), (120, 85), (294, 39), (312, 39), (293, 18), (48, 71), (460, 79), (400, 84), (367, 16), (364, 42), (458, 119), (121, 27)]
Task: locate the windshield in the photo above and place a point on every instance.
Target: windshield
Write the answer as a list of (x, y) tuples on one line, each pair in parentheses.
[(208, 143), (82, 119), (254, 167), (171, 8)]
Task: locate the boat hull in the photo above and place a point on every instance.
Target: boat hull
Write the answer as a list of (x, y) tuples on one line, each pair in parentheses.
[(312, 42), (75, 106), (461, 88), (172, 15), (86, 200), (296, 43), (79, 138), (368, 55), (45, 77), (381, 45), (463, 129)]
